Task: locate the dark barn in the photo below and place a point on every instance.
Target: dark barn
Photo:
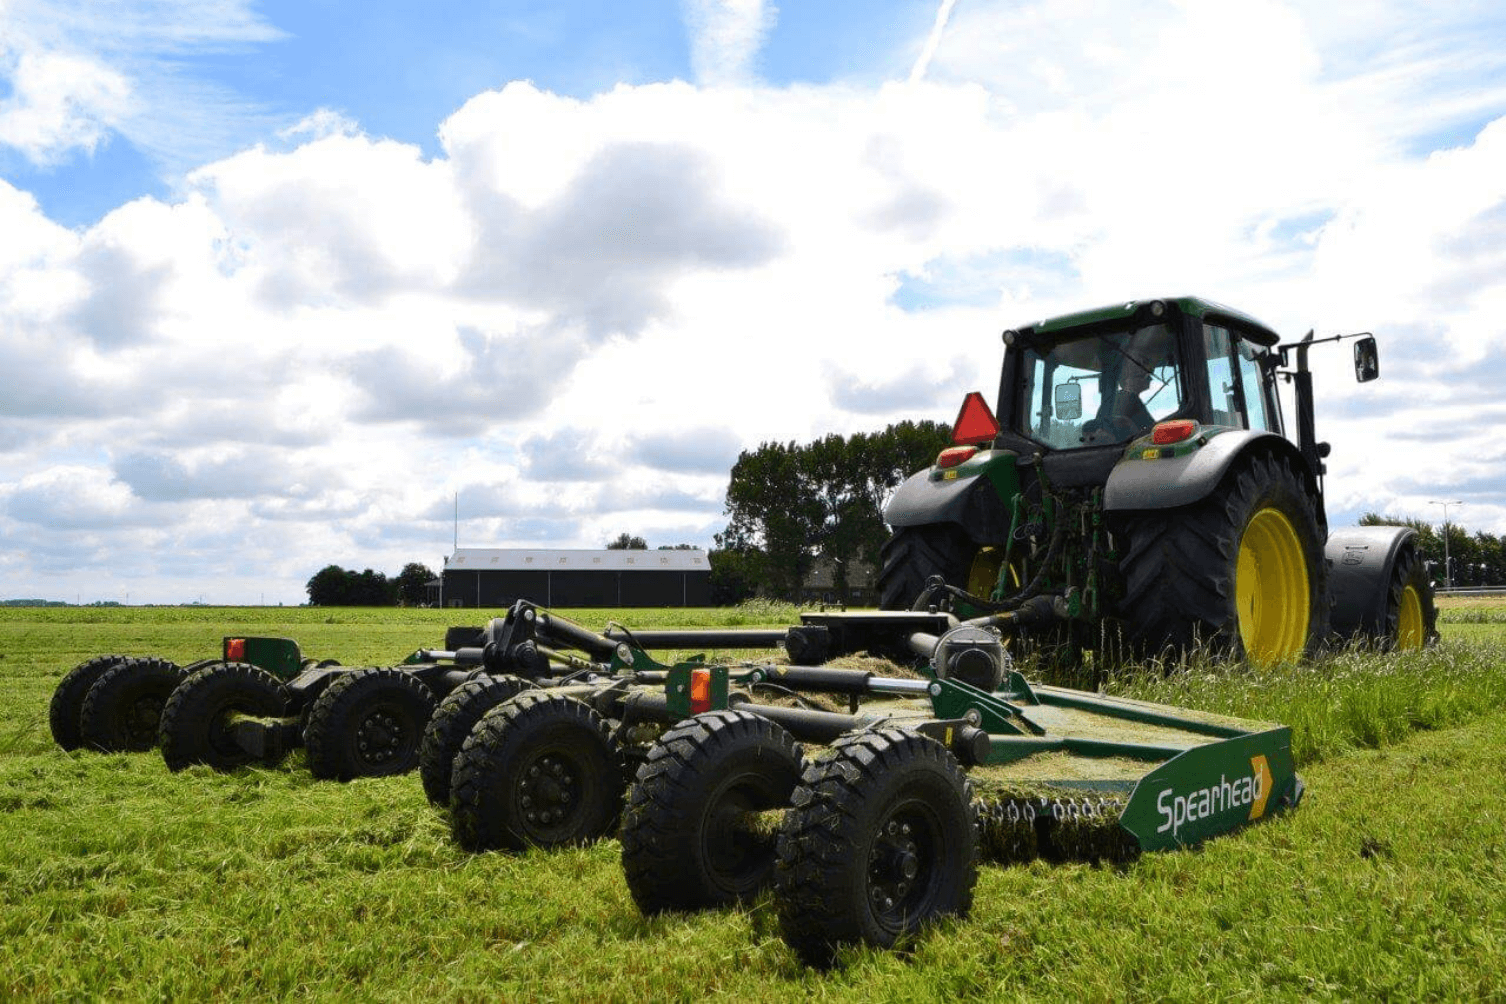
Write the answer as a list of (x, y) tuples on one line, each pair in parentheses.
[(495, 577)]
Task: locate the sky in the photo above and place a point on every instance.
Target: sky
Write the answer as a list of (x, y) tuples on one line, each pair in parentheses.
[(289, 284)]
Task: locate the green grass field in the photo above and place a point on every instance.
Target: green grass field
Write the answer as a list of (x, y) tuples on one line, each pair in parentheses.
[(120, 881)]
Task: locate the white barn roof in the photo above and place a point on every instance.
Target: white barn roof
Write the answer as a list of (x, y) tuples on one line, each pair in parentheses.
[(501, 559)]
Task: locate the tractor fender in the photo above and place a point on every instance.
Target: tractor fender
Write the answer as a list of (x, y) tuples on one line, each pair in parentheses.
[(1360, 562), (969, 500), (1151, 477)]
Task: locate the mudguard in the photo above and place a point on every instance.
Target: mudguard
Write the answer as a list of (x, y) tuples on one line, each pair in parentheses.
[(1152, 477), (1360, 563), (969, 496)]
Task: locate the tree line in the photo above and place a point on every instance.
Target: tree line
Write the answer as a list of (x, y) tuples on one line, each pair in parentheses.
[(333, 586), (1477, 559), (792, 504)]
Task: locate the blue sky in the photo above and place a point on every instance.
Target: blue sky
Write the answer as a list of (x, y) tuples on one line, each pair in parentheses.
[(278, 281)]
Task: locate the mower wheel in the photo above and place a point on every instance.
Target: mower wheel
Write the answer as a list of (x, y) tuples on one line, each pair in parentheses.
[(1241, 571), (881, 841), (539, 770), (196, 719), (123, 709), (1411, 614), (697, 832), (452, 722), (68, 699), (367, 723)]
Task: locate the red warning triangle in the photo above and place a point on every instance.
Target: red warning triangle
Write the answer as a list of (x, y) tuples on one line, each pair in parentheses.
[(975, 422)]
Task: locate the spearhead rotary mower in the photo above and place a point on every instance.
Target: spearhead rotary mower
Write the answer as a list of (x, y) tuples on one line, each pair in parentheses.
[(919, 775), (1140, 471)]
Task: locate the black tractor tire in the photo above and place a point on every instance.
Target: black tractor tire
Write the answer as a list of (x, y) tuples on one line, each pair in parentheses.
[(695, 833), (1182, 569), (1411, 613), (367, 723), (452, 722), (914, 554), (539, 770), (882, 840), (68, 698), (123, 709), (194, 720)]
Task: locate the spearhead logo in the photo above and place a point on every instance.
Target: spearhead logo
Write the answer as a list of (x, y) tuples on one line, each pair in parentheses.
[(1252, 789)]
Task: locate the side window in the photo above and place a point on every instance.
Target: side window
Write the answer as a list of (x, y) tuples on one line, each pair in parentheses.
[(1249, 372), (1222, 388)]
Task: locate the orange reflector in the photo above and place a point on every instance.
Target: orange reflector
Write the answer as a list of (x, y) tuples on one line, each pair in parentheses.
[(1166, 433), (700, 691), (952, 456), (235, 649), (975, 422)]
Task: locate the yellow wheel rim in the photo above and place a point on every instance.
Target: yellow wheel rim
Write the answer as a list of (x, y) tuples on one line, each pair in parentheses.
[(1271, 589), (1409, 620), (983, 574)]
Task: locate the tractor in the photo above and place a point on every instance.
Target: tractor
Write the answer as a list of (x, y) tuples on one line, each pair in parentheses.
[(1136, 494)]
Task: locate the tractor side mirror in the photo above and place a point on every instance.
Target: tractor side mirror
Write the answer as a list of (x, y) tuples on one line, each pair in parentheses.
[(1068, 401), (1366, 359)]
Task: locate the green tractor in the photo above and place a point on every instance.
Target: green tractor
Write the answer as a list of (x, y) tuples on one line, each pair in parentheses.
[(1138, 495)]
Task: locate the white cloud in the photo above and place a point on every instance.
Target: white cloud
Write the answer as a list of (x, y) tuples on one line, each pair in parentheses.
[(580, 310), (61, 103), (725, 36)]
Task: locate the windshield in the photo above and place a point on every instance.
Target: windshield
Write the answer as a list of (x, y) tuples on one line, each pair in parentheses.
[(1101, 390)]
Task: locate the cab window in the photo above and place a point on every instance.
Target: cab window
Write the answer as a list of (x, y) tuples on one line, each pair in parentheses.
[(1101, 390)]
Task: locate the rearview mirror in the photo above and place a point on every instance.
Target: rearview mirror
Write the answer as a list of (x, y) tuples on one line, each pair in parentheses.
[(1069, 402), (1366, 359)]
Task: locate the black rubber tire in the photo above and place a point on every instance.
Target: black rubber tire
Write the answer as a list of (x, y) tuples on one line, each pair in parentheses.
[(123, 708), (689, 837), (882, 840), (539, 770), (452, 722), (193, 720), (914, 554), (1409, 570), (1179, 565), (68, 698), (367, 723)]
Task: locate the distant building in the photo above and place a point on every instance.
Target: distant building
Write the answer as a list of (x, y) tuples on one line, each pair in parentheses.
[(820, 585), (496, 577)]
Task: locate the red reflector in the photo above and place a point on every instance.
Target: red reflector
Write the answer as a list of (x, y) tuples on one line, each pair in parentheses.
[(954, 455), (975, 422), (235, 649), (1167, 433), (700, 691)]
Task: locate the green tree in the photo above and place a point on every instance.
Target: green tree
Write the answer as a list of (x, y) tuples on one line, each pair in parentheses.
[(412, 582), (333, 586), (628, 542)]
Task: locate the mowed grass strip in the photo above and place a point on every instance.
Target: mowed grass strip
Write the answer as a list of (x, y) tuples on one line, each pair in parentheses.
[(120, 881)]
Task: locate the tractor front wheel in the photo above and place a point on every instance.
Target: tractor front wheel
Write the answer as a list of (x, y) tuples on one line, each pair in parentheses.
[(123, 708), (698, 830), (882, 840), (1241, 572), (197, 719), (452, 722), (537, 771), (367, 723), (1411, 614)]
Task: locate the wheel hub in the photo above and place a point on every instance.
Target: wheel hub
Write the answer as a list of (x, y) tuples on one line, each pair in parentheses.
[(548, 788), (379, 738)]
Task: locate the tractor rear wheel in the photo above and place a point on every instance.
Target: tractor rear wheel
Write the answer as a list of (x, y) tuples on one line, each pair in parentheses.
[(1411, 615), (367, 723), (915, 553), (123, 709), (452, 722), (68, 699), (196, 720), (537, 771), (1241, 572), (882, 840), (696, 832)]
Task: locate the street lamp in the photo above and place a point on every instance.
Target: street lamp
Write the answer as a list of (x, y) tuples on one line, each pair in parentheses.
[(1448, 571)]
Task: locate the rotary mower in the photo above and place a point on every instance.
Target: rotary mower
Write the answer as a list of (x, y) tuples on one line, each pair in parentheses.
[(919, 775)]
